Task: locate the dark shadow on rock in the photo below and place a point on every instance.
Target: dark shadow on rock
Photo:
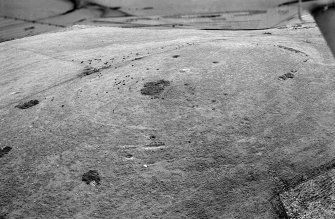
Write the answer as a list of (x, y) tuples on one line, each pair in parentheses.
[(28, 104), (278, 207), (286, 76), (5, 151), (155, 144), (3, 216), (77, 4), (88, 71), (29, 28), (308, 175), (90, 177), (128, 156), (148, 8)]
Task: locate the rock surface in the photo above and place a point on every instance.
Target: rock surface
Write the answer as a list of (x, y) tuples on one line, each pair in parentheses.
[(223, 138), (312, 199)]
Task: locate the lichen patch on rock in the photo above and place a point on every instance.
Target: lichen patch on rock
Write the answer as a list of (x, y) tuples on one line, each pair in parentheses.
[(91, 177), (154, 88)]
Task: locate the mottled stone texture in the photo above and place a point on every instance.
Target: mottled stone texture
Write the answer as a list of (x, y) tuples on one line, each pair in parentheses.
[(314, 198), (214, 133)]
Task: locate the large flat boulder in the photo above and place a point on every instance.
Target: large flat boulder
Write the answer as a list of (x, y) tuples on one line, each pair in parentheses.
[(100, 122)]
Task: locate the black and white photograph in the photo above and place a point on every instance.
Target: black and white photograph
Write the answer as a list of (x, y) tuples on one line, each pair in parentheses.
[(167, 109)]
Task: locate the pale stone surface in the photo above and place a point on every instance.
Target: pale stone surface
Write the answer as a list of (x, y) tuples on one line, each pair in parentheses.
[(220, 139)]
